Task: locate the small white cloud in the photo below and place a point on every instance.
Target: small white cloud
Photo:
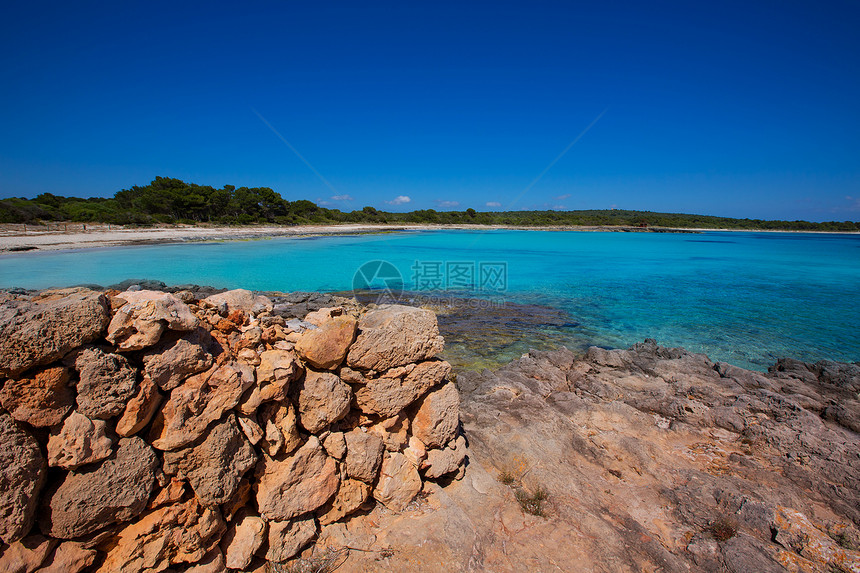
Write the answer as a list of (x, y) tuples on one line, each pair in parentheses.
[(563, 197), (399, 200), (441, 203), (322, 202), (559, 207), (493, 204), (342, 198)]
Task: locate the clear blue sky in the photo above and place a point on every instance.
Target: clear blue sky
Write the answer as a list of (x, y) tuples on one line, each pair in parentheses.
[(748, 109)]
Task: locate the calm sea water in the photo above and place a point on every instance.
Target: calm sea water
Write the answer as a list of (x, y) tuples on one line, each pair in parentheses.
[(746, 298)]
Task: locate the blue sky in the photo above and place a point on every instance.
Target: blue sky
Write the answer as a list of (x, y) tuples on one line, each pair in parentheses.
[(744, 109)]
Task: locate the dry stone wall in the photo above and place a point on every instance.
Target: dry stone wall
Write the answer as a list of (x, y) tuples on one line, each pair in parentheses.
[(147, 431)]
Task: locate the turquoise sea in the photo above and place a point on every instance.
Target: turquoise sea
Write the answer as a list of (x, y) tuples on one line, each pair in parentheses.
[(746, 298)]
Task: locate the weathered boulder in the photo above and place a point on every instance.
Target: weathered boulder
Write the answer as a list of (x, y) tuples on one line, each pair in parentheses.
[(140, 409), (326, 346), (363, 454), (350, 495), (79, 441), (140, 323), (107, 382), (114, 491), (241, 300), (26, 555), (171, 535), (198, 402), (286, 538), (42, 399), (214, 466), (70, 557), (243, 538), (323, 399), (394, 335), (22, 474), (396, 389), (174, 359), (398, 482), (39, 332), (437, 418), (296, 484), (445, 461)]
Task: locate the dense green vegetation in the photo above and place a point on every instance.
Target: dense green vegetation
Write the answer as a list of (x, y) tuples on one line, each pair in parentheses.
[(168, 200)]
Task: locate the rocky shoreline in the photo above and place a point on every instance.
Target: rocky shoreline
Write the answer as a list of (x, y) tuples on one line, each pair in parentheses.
[(198, 431)]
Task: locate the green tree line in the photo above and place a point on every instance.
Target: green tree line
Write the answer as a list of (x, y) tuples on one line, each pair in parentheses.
[(168, 200)]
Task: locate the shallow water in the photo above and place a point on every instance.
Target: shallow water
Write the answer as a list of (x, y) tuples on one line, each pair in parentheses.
[(746, 298)]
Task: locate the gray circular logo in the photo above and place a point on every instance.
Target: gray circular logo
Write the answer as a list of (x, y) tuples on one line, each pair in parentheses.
[(379, 279)]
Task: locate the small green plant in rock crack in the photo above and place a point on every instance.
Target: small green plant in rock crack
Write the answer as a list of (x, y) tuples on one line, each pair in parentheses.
[(532, 503), (507, 478)]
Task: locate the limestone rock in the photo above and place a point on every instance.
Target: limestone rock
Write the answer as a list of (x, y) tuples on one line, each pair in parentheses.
[(286, 538), (70, 557), (398, 483), (107, 382), (323, 399), (39, 332), (214, 466), (445, 461), (350, 495), (212, 562), (140, 323), (363, 455), (174, 359), (80, 441), (394, 335), (394, 432), (250, 428), (22, 474), (140, 409), (335, 445), (114, 491), (199, 401), (242, 540), (167, 536), (296, 484), (26, 555), (240, 299), (389, 394), (438, 416), (281, 433), (171, 493), (326, 346), (318, 317), (276, 370), (42, 399)]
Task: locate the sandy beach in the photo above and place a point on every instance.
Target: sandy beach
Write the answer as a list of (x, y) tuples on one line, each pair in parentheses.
[(17, 238), (53, 237), (20, 238)]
